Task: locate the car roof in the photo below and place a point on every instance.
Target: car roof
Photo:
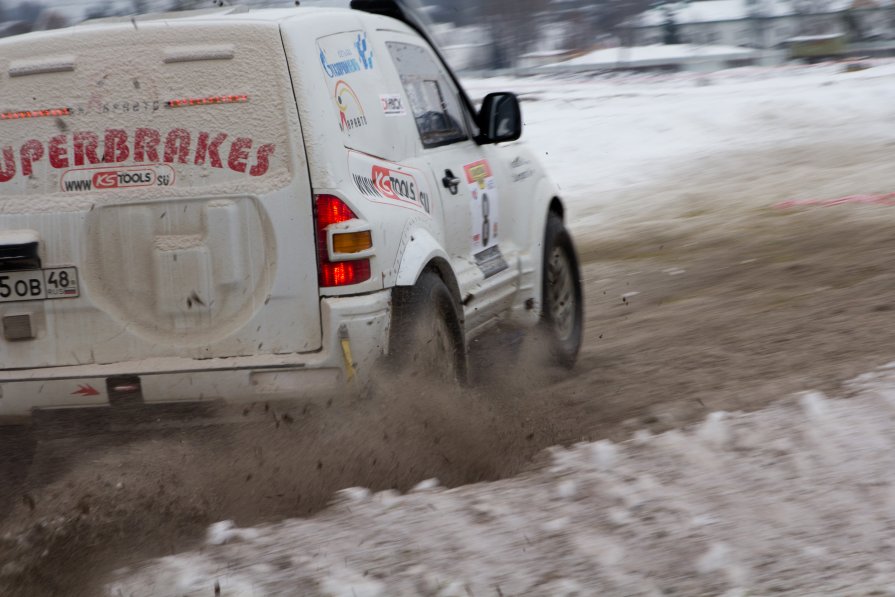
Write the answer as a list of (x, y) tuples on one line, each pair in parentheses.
[(409, 12), (227, 13), (234, 15)]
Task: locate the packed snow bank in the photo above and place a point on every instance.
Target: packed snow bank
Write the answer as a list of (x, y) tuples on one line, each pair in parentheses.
[(795, 499)]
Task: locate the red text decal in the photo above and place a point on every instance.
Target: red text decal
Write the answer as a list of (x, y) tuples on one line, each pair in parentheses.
[(143, 145)]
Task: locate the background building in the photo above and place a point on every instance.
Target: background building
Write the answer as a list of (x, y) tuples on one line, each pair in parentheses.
[(760, 23)]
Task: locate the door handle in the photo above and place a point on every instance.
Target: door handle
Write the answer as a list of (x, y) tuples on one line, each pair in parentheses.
[(450, 182)]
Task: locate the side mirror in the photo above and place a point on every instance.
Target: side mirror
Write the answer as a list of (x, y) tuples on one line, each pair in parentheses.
[(500, 118)]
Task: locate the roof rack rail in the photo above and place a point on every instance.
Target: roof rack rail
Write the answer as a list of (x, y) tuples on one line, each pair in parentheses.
[(164, 16)]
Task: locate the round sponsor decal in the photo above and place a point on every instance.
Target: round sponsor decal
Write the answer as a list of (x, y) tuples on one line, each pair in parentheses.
[(351, 113)]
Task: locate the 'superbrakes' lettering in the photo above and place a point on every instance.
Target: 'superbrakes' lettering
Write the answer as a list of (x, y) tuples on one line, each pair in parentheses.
[(143, 145)]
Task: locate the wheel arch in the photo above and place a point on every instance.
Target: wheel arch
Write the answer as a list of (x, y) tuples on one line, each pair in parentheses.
[(424, 253), (557, 208), (425, 257), (441, 267)]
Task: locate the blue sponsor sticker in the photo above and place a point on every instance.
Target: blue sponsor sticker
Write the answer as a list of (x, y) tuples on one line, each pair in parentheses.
[(340, 68), (363, 51)]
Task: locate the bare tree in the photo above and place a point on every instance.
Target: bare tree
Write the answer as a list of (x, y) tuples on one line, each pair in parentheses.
[(99, 11), (619, 16), (50, 19), (514, 26), (140, 7), (190, 4), (26, 11), (670, 35), (615, 12)]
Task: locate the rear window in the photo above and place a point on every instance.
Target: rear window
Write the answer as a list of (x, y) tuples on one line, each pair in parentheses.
[(158, 107)]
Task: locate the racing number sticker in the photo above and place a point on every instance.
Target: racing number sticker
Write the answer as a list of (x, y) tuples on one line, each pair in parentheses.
[(484, 205)]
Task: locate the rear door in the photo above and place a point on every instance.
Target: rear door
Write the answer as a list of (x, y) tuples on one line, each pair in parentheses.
[(154, 199)]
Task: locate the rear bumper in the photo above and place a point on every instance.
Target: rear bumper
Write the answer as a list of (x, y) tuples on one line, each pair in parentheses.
[(363, 320)]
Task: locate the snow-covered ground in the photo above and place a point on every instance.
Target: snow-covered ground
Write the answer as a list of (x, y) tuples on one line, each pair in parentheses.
[(606, 138), (795, 499), (656, 55), (613, 56)]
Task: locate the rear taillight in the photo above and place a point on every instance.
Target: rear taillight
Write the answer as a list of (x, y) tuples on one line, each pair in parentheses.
[(332, 210)]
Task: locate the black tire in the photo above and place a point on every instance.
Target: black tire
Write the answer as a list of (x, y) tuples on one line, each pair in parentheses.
[(562, 311), (427, 337)]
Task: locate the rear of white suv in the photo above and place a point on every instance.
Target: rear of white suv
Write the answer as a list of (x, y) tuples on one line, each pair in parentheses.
[(157, 235)]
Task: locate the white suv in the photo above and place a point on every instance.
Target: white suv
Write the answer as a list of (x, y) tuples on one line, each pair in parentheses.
[(238, 205)]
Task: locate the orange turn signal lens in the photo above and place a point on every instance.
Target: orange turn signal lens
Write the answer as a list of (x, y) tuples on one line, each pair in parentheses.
[(352, 242)]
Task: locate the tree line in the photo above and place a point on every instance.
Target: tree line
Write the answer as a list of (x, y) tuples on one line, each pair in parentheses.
[(513, 27), (516, 26)]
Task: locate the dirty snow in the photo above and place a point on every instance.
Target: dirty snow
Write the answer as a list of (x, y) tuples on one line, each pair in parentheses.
[(795, 499)]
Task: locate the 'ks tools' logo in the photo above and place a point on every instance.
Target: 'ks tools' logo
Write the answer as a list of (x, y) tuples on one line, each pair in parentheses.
[(392, 185), (383, 181), (401, 186), (126, 178), (98, 179), (105, 180)]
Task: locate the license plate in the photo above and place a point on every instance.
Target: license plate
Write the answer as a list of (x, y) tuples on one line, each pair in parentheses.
[(39, 284)]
